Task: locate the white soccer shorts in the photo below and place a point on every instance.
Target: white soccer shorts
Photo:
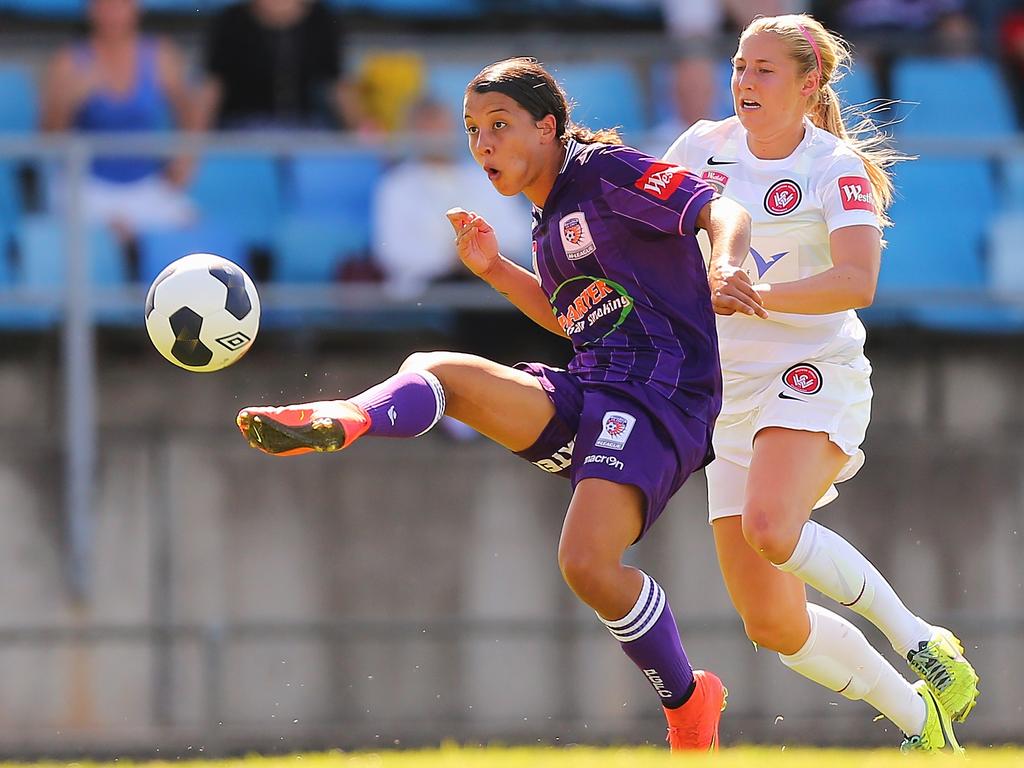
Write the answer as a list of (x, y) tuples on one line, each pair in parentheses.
[(813, 396)]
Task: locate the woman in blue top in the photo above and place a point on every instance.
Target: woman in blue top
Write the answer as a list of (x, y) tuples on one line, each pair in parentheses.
[(119, 80)]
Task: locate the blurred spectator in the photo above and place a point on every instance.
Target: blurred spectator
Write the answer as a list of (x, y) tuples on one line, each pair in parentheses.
[(412, 240), (119, 80), (1011, 47), (277, 64), (696, 27), (884, 30)]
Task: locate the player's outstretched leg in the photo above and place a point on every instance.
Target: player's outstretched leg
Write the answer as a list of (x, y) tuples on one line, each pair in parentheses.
[(505, 404), (604, 519), (406, 405), (834, 567)]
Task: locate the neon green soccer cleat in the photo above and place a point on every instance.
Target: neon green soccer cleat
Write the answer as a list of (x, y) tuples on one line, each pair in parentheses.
[(941, 664), (937, 732)]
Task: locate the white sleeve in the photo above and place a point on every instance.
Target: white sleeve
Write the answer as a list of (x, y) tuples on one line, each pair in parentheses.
[(846, 195), (676, 154)]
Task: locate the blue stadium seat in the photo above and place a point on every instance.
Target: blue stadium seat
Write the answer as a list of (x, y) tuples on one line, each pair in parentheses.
[(19, 110), (42, 247), (333, 184), (941, 215), (311, 249), (1012, 176), (446, 83), (158, 249), (938, 240), (63, 9), (241, 193), (959, 97), (858, 86), (606, 93)]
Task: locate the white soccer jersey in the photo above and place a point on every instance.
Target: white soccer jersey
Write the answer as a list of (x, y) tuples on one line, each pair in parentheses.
[(794, 204)]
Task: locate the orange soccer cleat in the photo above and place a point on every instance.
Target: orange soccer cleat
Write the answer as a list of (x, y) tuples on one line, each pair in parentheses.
[(694, 726), (290, 430)]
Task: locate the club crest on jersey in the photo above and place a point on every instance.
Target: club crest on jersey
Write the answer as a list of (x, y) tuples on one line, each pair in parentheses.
[(661, 180), (803, 378), (855, 192), (783, 197), (615, 429), (576, 237), (716, 179)]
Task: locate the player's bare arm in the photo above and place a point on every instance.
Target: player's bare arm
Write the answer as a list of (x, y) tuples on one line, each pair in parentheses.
[(728, 226), (477, 246), (848, 284)]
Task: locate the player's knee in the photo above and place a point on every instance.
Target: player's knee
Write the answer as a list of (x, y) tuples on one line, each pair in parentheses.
[(767, 532), (425, 361), (774, 630), (584, 572)]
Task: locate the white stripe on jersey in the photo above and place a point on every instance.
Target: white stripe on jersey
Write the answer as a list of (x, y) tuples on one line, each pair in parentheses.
[(794, 204)]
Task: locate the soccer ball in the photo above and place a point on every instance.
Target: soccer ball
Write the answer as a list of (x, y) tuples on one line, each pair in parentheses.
[(202, 312)]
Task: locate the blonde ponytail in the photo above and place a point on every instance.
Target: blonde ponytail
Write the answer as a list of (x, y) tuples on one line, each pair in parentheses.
[(815, 49)]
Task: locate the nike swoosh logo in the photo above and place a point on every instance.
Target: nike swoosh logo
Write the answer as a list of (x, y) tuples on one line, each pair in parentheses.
[(763, 264), (712, 161), (784, 396)]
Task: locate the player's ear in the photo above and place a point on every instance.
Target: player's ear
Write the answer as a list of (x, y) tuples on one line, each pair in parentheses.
[(810, 84), (546, 125)]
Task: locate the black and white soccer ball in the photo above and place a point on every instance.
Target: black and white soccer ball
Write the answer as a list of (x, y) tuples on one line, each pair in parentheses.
[(202, 312)]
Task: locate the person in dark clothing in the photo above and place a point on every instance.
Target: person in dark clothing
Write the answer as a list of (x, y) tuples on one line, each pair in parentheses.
[(276, 64)]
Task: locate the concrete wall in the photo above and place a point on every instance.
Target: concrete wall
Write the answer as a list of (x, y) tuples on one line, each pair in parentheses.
[(408, 591)]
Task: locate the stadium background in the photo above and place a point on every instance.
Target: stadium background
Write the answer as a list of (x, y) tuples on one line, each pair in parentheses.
[(167, 590)]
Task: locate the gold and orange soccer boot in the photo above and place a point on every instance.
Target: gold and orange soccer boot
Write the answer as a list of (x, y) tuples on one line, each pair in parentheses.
[(694, 726), (290, 430)]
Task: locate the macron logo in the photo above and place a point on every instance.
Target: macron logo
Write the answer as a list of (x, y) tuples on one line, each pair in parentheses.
[(855, 192), (611, 461)]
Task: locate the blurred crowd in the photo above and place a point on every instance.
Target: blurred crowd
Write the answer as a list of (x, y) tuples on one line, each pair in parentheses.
[(283, 65)]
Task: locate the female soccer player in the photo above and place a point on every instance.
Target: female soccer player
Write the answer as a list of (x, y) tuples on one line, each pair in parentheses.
[(618, 271), (797, 396)]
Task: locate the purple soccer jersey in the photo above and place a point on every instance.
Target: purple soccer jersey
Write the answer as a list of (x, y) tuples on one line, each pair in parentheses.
[(616, 253)]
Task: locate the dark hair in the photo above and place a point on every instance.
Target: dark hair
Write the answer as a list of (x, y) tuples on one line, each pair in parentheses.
[(532, 87)]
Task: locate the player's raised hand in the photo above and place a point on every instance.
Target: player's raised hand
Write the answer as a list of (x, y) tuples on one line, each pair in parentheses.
[(475, 241), (732, 291)]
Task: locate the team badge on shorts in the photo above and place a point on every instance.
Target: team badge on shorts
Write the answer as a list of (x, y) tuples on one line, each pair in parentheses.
[(782, 197), (615, 429), (803, 378), (576, 237)]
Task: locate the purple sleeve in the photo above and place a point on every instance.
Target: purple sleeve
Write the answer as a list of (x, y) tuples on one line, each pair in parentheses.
[(660, 196)]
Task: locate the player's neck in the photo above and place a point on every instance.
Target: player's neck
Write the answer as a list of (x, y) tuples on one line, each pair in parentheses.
[(777, 145), (537, 191)]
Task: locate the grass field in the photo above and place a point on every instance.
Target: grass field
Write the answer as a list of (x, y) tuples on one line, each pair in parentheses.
[(587, 757)]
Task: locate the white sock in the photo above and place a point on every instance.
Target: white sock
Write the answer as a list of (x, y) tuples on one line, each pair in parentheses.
[(839, 657), (834, 567)]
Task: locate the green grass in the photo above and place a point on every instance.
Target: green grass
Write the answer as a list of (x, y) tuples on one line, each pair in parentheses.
[(588, 757)]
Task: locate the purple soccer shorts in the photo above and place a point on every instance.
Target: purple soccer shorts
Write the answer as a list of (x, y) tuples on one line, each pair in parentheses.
[(622, 432)]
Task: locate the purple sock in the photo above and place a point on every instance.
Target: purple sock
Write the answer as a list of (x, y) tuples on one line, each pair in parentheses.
[(406, 405), (649, 636)]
